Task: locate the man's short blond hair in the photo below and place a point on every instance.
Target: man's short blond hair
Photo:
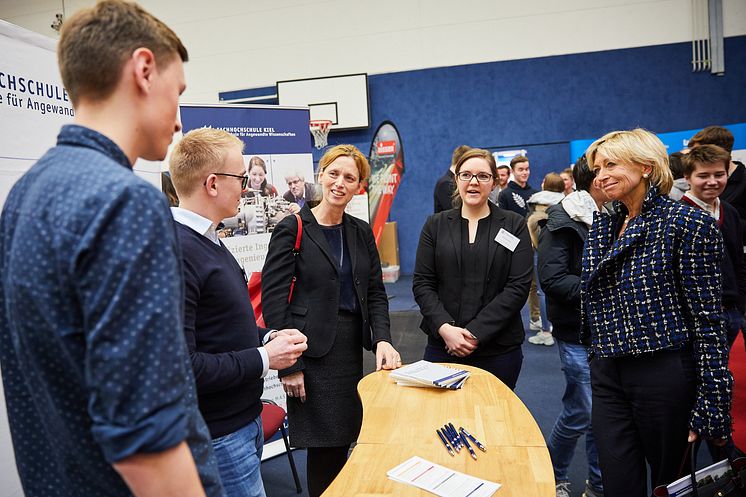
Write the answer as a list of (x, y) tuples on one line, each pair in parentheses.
[(96, 42), (198, 154)]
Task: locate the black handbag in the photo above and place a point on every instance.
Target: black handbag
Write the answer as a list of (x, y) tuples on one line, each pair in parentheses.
[(730, 484)]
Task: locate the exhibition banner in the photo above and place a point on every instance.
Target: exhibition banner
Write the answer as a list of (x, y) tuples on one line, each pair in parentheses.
[(278, 159), (33, 102), (675, 141), (387, 167)]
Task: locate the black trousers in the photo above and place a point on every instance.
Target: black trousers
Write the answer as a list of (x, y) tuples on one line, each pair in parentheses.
[(641, 410), (323, 464)]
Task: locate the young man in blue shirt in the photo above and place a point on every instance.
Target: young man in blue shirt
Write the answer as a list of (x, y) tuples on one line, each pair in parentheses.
[(224, 342), (99, 390)]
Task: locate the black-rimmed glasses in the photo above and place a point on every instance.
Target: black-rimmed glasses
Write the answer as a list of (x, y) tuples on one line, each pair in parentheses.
[(481, 177), (244, 178)]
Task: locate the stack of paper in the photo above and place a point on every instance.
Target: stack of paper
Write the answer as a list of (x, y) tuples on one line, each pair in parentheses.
[(440, 480), (427, 374)]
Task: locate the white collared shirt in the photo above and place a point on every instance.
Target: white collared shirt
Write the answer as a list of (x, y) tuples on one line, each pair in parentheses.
[(705, 207), (200, 224), (208, 229)]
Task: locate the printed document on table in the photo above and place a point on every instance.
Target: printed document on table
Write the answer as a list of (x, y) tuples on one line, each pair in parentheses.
[(440, 480)]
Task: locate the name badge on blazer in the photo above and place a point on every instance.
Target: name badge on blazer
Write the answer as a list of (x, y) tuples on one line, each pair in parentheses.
[(507, 239)]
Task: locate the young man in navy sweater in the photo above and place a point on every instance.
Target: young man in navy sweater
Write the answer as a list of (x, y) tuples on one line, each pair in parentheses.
[(230, 354)]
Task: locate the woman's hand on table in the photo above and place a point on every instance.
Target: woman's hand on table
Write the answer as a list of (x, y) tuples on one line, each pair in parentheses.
[(386, 356), (294, 385)]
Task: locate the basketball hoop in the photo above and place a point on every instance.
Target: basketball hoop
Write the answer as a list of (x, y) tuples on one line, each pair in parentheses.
[(320, 131)]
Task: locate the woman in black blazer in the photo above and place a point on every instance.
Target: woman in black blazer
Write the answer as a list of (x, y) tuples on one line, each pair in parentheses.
[(340, 304), (472, 276)]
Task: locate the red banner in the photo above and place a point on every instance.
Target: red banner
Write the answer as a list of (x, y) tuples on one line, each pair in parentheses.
[(387, 168)]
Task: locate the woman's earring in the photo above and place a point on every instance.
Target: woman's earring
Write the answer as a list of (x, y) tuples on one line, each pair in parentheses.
[(645, 175)]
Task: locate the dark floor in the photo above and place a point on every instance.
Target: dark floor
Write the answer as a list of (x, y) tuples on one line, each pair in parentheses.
[(540, 387)]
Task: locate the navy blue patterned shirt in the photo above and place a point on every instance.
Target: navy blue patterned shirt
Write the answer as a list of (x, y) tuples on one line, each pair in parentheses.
[(93, 357), (658, 287)]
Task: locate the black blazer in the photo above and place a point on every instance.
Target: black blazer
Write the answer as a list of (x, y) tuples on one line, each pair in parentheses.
[(437, 280), (315, 303)]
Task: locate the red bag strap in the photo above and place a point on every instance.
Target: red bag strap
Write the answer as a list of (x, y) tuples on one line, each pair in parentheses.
[(296, 251), (296, 248)]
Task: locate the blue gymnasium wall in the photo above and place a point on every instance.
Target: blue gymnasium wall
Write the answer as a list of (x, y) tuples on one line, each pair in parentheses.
[(549, 101)]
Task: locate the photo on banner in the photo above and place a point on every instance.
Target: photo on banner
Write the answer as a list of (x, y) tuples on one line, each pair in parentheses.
[(277, 188)]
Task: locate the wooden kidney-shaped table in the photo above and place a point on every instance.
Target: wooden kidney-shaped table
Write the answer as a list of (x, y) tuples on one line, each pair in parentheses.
[(400, 422)]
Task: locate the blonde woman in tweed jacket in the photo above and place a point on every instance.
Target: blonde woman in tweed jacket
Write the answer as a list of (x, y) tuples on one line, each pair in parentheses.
[(651, 316)]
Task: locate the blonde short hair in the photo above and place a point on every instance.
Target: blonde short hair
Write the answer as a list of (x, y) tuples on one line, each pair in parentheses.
[(199, 153), (640, 147), (334, 153)]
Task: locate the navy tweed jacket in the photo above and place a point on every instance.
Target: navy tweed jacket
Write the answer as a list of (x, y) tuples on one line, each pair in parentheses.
[(658, 287)]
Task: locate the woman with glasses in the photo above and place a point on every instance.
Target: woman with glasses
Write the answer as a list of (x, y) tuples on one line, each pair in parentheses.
[(472, 276), (339, 302)]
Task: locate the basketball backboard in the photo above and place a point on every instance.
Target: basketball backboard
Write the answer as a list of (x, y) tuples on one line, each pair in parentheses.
[(343, 100)]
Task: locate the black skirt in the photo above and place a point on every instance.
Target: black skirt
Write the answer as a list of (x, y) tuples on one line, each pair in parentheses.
[(332, 414)]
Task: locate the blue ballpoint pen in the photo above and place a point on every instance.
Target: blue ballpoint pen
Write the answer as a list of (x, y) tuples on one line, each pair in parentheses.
[(466, 443), (476, 442), (443, 439), (455, 434), (454, 441)]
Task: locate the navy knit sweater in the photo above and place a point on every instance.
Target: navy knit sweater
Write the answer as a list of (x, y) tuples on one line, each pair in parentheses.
[(515, 197), (221, 334)]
